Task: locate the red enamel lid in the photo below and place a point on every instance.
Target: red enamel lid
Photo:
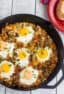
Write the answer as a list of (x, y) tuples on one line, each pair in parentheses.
[(52, 15)]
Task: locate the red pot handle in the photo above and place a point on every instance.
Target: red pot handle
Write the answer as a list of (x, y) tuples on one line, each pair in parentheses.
[(56, 22), (44, 1)]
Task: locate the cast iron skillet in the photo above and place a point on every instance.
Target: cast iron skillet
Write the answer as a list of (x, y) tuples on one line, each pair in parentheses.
[(52, 32)]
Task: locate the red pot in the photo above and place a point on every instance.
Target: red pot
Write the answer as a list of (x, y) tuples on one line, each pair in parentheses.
[(52, 15)]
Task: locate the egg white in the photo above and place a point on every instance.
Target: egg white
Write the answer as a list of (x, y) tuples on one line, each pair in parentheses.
[(10, 47), (8, 74), (8, 50), (34, 78), (46, 58), (3, 54), (28, 37), (25, 61)]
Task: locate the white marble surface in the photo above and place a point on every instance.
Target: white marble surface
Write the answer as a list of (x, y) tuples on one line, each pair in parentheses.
[(8, 7)]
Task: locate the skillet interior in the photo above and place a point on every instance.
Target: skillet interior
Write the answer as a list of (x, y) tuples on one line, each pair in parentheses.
[(49, 29)]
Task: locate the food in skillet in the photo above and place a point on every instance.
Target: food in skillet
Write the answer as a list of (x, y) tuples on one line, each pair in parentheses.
[(60, 10), (28, 55)]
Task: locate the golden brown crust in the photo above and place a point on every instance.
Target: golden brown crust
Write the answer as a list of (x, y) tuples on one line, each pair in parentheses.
[(60, 10)]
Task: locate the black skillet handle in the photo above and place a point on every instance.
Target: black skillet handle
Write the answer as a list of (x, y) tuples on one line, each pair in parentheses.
[(60, 80)]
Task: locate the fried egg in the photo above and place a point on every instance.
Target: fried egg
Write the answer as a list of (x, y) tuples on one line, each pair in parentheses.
[(43, 54), (25, 35), (29, 76), (6, 69), (22, 58), (6, 49)]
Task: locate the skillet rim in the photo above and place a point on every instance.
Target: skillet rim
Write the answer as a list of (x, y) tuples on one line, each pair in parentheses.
[(2, 21)]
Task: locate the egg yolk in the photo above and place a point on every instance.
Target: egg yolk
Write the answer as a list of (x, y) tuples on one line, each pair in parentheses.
[(22, 55), (42, 53), (23, 32), (5, 67), (28, 74)]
